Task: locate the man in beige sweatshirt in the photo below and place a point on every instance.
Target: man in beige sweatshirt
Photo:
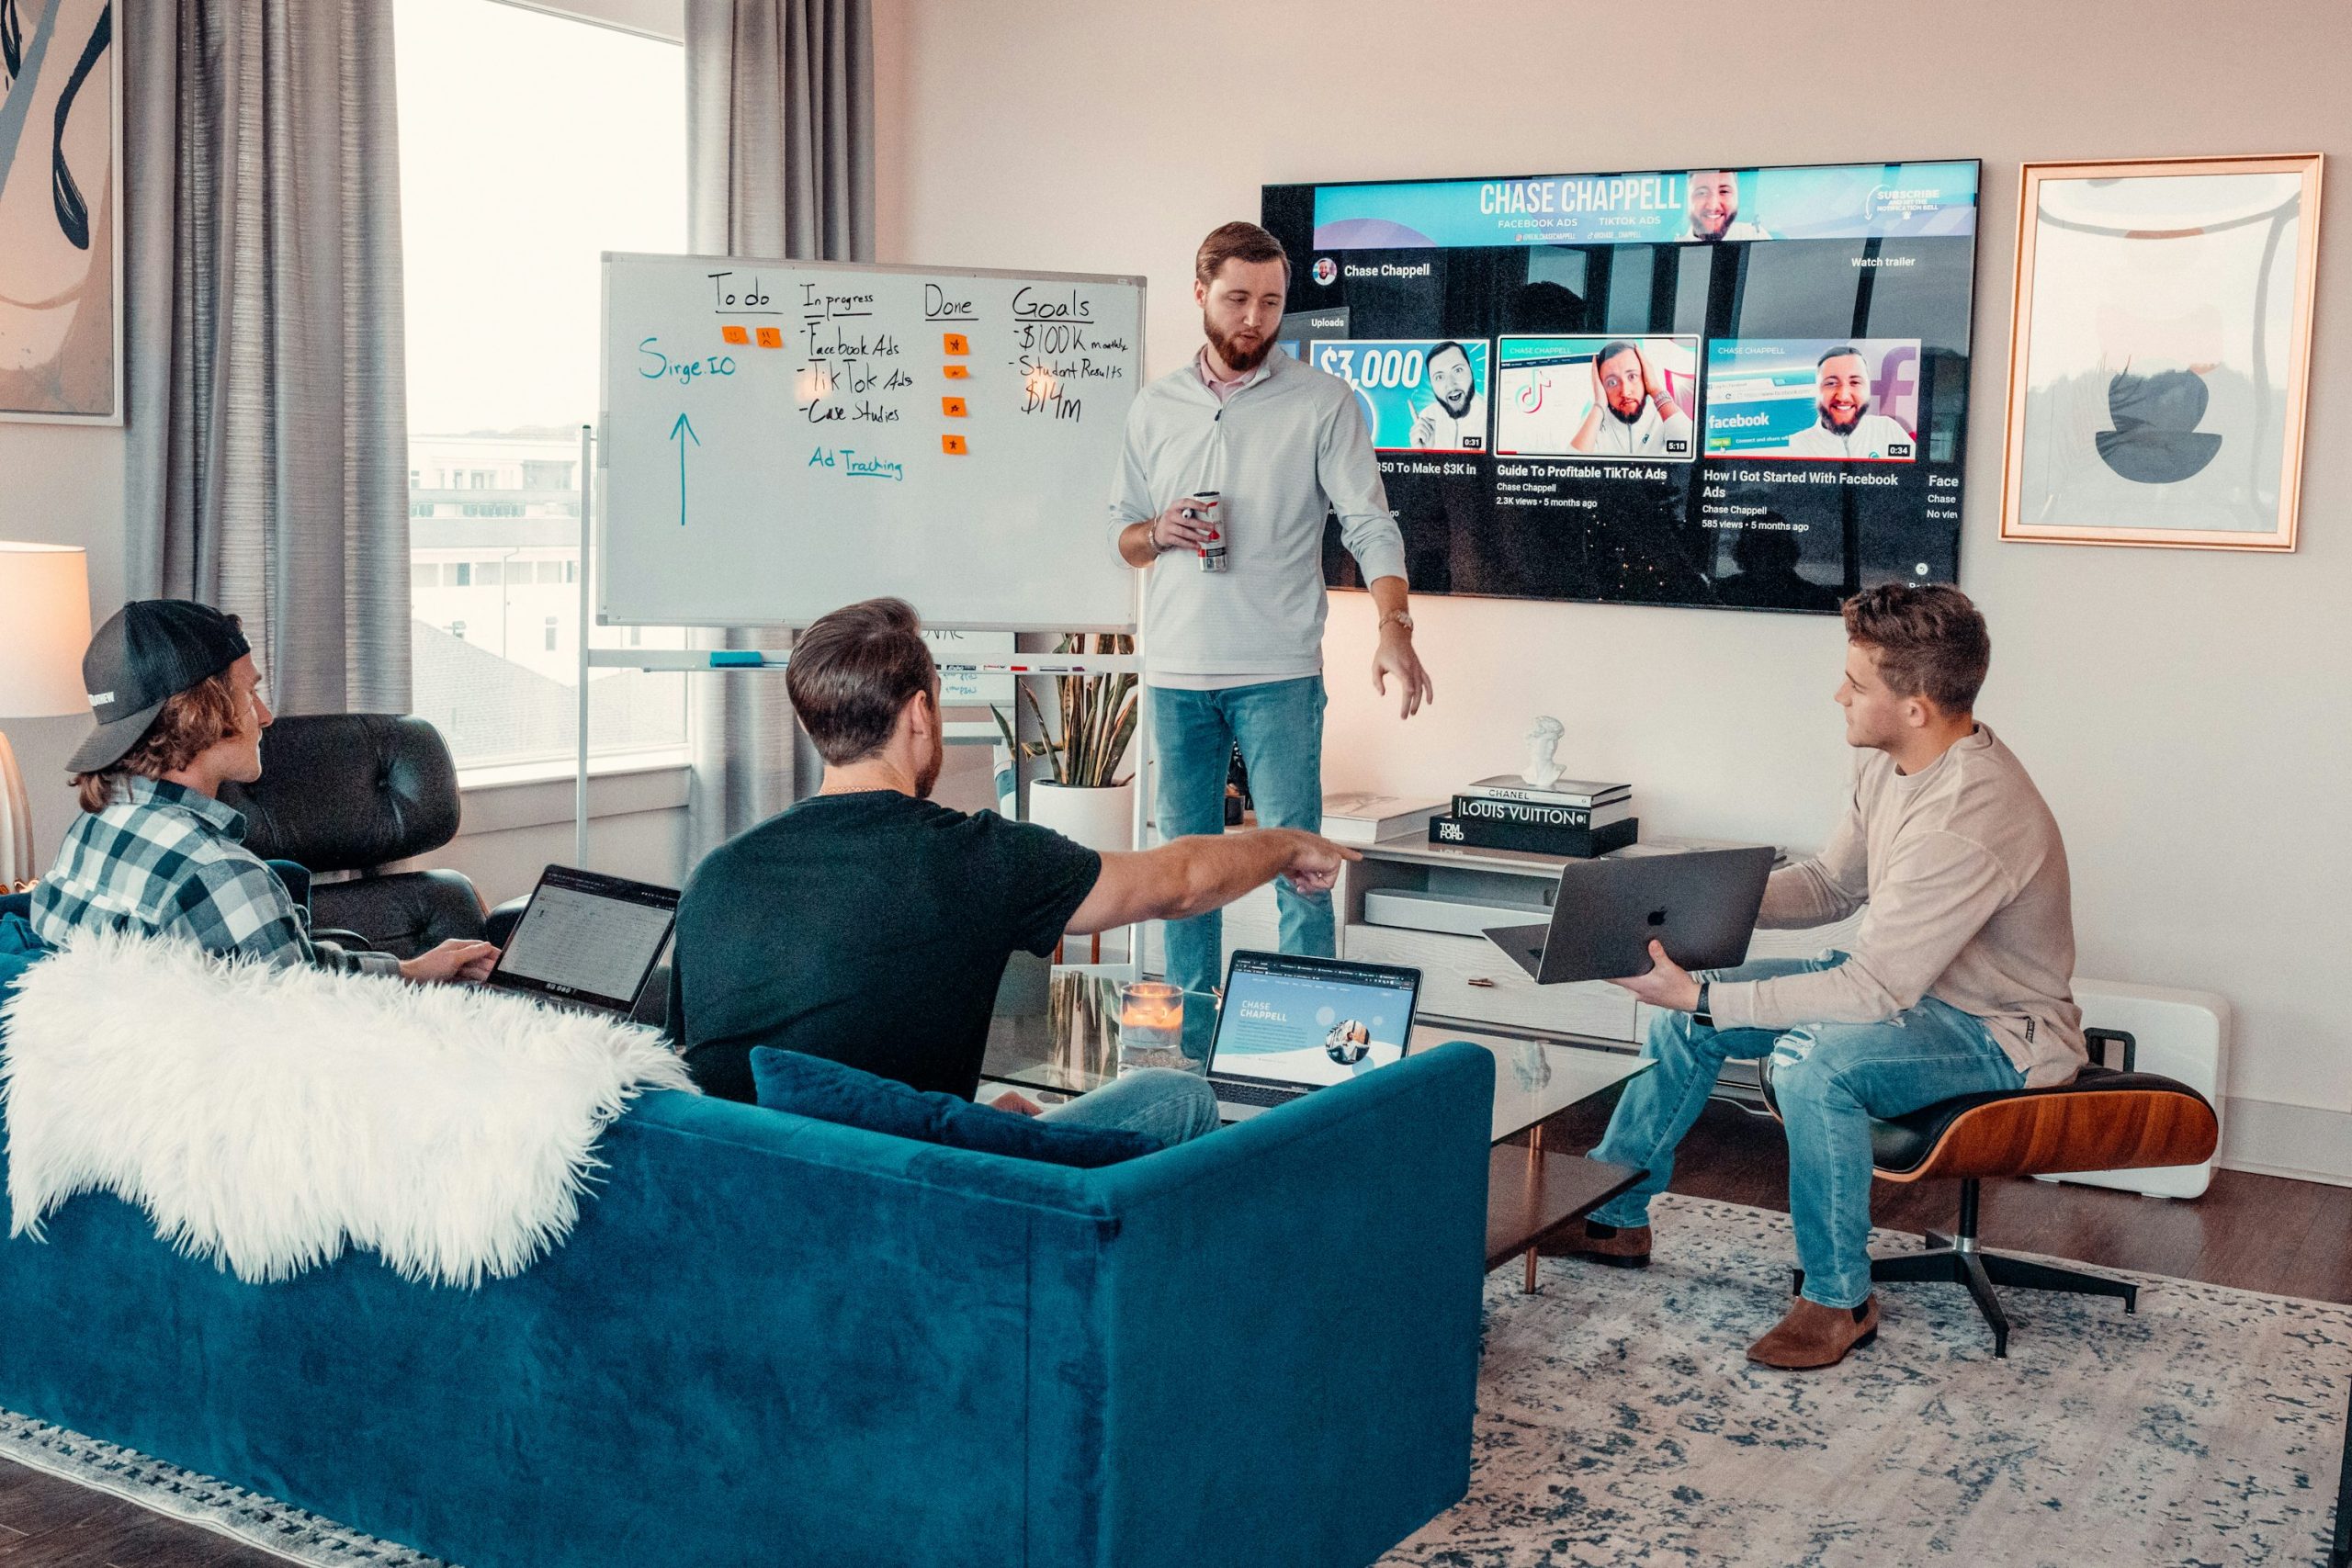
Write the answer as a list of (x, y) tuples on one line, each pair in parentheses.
[(1957, 982)]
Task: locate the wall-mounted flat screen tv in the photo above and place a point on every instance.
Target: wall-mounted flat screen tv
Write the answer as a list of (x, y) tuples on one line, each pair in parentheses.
[(1744, 387)]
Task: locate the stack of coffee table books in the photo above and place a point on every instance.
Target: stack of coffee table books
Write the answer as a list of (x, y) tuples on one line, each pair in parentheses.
[(1366, 818), (1578, 817)]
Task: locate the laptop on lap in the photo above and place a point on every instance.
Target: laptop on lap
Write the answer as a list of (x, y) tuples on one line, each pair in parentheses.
[(1291, 1025), (587, 941)]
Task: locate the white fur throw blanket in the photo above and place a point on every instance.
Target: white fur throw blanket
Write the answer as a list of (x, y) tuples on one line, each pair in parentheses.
[(265, 1118)]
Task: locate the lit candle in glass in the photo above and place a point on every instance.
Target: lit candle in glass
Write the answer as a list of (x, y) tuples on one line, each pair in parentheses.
[(1151, 1021)]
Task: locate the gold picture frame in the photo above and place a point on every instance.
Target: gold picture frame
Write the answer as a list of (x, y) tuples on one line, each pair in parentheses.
[(2157, 389)]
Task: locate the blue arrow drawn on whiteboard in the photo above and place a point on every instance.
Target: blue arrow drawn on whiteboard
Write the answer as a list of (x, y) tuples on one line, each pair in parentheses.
[(687, 426)]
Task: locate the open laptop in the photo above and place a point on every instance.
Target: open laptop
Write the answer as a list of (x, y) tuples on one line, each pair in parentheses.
[(1291, 1025), (1701, 904), (587, 939)]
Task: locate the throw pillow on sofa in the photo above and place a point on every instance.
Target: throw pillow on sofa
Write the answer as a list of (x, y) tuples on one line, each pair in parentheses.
[(824, 1090)]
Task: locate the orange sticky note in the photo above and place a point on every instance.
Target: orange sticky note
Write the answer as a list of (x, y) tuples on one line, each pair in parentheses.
[(734, 335), (956, 372), (952, 445), (951, 407), (958, 344), (771, 337)]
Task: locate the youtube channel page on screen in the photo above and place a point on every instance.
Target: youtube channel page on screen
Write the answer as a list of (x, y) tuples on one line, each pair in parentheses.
[(1742, 388)]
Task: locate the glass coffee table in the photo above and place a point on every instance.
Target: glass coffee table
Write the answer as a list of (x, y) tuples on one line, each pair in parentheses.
[(1056, 1032)]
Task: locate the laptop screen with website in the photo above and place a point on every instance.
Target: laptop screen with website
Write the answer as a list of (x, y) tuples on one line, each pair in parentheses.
[(1311, 1021)]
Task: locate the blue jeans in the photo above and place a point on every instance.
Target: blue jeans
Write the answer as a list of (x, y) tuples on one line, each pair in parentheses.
[(1279, 727), (1830, 1079), (1161, 1103)]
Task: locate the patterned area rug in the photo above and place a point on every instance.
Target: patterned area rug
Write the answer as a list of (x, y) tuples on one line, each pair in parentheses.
[(1619, 1422), (261, 1522)]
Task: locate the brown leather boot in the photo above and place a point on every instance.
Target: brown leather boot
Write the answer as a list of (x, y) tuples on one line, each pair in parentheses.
[(1619, 1246), (1813, 1335)]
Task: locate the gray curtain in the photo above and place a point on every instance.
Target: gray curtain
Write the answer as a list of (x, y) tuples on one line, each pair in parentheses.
[(780, 150), (268, 447)]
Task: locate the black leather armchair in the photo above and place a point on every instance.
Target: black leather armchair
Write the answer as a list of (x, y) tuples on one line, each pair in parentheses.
[(353, 791)]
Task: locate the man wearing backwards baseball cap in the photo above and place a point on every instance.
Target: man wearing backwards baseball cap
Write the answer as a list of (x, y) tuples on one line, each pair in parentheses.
[(180, 712)]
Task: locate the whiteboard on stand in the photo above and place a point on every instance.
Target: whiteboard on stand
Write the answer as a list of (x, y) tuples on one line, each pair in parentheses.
[(781, 438)]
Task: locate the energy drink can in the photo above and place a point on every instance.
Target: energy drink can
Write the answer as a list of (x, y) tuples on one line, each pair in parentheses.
[(1208, 506)]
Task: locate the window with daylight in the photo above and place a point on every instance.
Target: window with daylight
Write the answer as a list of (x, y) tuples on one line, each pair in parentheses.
[(530, 145)]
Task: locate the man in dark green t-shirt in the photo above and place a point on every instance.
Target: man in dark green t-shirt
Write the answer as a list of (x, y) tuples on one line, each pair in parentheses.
[(870, 926)]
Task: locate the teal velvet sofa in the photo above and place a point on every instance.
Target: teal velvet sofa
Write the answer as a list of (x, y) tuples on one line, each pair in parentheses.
[(774, 1341)]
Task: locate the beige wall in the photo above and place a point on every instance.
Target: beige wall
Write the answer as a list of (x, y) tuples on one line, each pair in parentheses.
[(637, 829), (2186, 713)]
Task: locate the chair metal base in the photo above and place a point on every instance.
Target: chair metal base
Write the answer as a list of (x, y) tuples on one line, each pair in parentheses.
[(1958, 1261)]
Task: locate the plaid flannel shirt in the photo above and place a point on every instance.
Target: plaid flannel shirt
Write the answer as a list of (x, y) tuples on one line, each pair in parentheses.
[(169, 862)]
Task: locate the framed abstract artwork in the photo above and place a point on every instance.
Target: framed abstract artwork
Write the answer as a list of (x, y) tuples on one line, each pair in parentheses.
[(2161, 350), (60, 212)]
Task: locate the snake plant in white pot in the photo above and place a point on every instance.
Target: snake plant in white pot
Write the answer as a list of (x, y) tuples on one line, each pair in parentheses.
[(1086, 799)]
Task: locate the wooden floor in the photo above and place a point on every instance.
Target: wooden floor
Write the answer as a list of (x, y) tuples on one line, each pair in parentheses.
[(2255, 1233), (51, 1522)]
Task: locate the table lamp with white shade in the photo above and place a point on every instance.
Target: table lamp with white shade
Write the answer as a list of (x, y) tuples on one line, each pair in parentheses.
[(44, 629)]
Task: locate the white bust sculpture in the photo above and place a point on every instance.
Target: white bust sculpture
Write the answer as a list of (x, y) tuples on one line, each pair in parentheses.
[(1543, 739)]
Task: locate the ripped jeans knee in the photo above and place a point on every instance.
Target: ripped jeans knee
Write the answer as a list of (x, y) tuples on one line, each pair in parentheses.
[(1793, 1049)]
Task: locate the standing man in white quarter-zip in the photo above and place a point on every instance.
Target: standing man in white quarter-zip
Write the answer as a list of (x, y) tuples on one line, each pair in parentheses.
[(1235, 656)]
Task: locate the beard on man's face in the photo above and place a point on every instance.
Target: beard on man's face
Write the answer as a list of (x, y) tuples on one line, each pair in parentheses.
[(1456, 404), (1238, 360), (927, 777), (1843, 418)]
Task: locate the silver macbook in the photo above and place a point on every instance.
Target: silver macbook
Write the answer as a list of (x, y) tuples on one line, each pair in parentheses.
[(587, 939), (1699, 904), (1291, 1025)]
